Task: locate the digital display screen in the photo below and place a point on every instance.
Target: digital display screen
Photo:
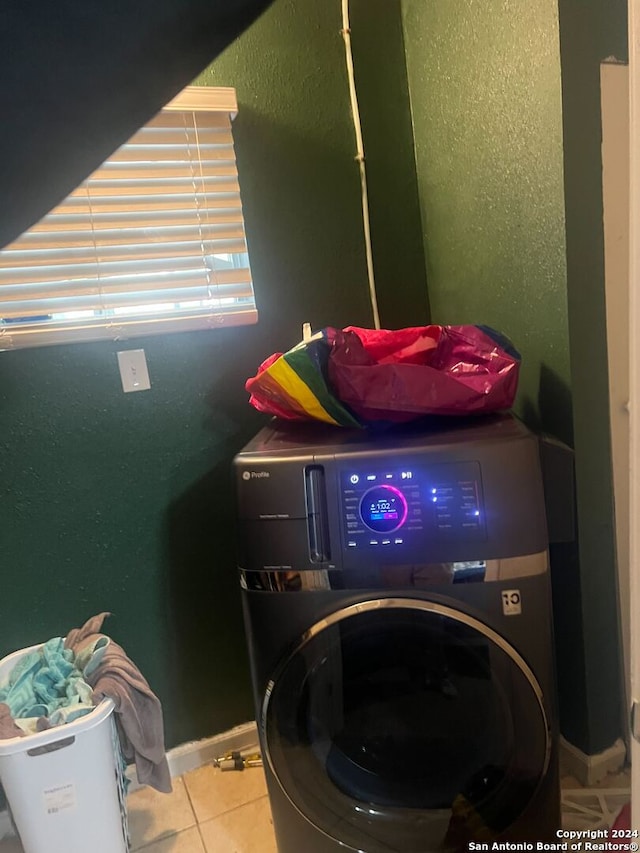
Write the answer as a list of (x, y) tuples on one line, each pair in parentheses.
[(383, 509)]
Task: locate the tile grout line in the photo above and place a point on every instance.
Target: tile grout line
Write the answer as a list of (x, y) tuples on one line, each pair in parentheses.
[(226, 811), (173, 833), (230, 811), (235, 808), (202, 841), (193, 809), (158, 840)]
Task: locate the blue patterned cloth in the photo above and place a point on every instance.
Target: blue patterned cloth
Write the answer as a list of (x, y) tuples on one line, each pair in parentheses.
[(47, 683)]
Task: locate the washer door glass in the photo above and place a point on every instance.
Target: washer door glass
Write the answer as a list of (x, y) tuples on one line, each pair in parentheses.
[(405, 725)]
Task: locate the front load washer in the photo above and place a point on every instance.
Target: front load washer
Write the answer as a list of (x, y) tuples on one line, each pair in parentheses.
[(397, 607)]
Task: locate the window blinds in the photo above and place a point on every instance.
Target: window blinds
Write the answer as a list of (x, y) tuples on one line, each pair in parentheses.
[(152, 241)]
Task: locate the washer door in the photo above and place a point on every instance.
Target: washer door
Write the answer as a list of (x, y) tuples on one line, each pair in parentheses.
[(405, 725)]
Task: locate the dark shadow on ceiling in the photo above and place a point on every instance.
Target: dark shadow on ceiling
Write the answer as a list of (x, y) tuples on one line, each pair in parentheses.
[(78, 77)]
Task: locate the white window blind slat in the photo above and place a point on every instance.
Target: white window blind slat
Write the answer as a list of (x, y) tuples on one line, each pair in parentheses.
[(202, 189), (77, 331), (62, 259), (217, 115), (163, 201), (210, 170), (153, 240), (103, 299), (173, 281), (209, 151), (135, 218), (152, 269), (42, 245), (176, 136)]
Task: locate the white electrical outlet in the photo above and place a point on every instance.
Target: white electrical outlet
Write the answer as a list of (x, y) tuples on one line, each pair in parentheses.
[(133, 370)]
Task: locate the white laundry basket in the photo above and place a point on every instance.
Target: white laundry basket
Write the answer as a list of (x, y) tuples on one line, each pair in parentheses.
[(62, 785)]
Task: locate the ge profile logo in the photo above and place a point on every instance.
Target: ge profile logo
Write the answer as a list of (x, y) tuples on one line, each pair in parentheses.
[(255, 475), (246, 475)]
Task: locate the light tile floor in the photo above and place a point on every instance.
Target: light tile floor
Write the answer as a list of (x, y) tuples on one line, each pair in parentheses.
[(598, 806), (211, 811)]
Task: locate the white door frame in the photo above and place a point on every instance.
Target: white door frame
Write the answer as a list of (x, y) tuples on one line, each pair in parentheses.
[(634, 386)]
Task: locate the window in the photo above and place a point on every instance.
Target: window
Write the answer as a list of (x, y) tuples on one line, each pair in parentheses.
[(152, 241)]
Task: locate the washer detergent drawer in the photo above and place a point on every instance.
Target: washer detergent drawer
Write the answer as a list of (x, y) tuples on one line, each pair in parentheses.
[(273, 545), (403, 724)]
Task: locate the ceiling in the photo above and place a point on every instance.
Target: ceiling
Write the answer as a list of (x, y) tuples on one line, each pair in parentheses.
[(78, 77)]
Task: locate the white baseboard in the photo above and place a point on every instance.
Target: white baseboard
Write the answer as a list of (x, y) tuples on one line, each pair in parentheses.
[(591, 769), (183, 758), (197, 753), (190, 756)]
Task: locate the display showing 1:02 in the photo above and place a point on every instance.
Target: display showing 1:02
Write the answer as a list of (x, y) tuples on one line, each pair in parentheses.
[(383, 509)]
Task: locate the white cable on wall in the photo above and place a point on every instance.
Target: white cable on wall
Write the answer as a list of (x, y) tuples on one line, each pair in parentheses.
[(346, 34)]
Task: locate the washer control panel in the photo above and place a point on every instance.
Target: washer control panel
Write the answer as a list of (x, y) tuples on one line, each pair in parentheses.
[(398, 508)]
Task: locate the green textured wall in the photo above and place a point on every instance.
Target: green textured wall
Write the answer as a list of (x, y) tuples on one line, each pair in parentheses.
[(486, 96), (383, 96), (124, 502)]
